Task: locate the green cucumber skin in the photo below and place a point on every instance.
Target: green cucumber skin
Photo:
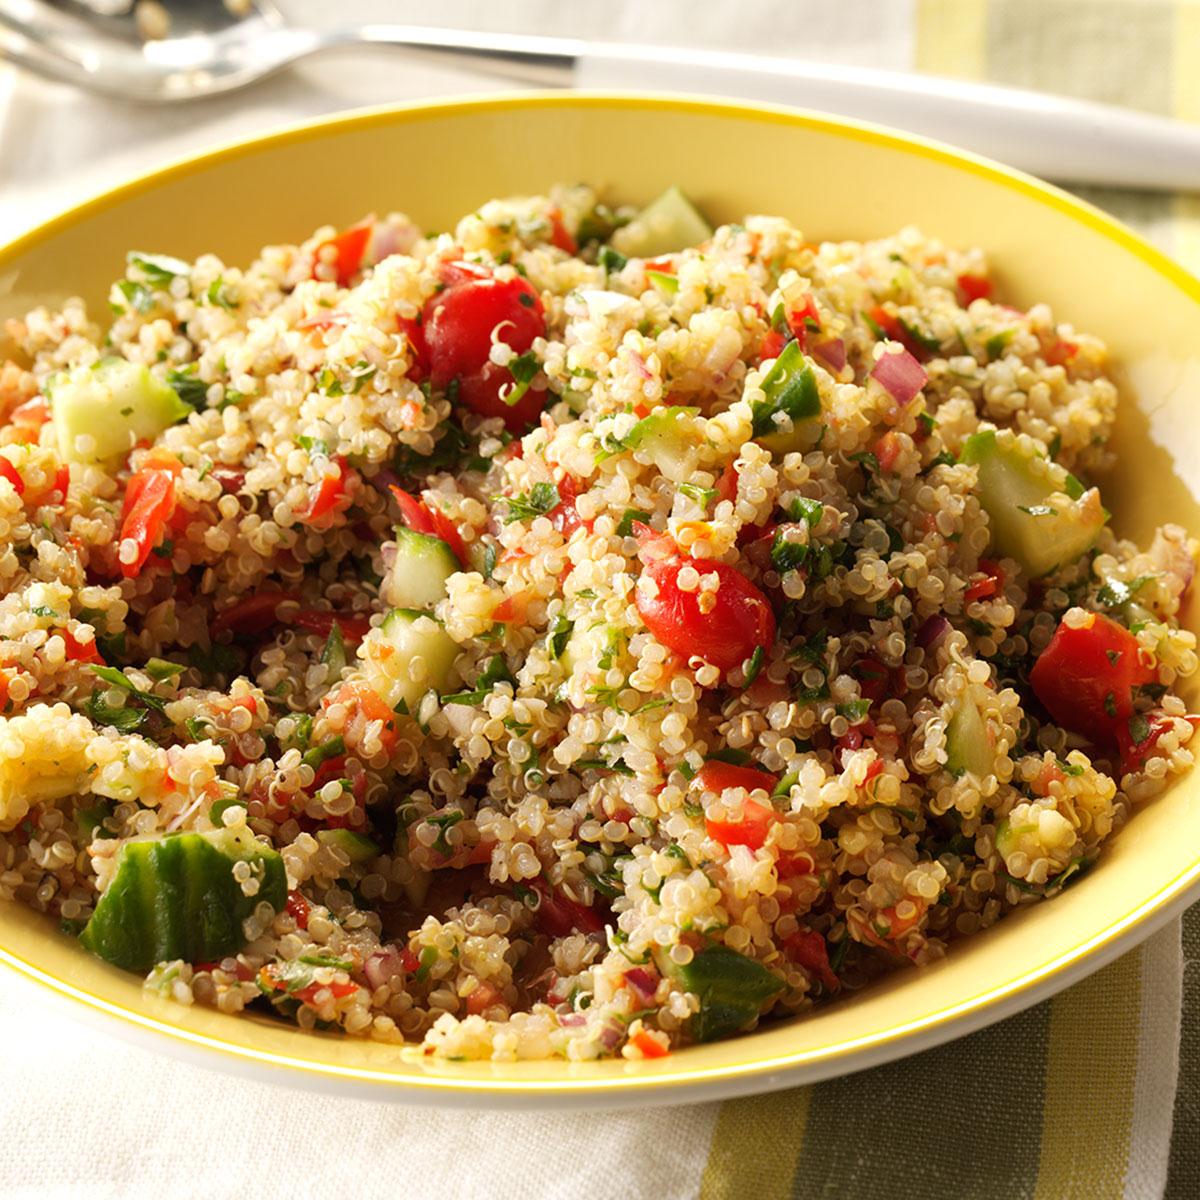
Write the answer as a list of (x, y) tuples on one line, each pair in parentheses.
[(422, 566), (732, 990), (176, 898)]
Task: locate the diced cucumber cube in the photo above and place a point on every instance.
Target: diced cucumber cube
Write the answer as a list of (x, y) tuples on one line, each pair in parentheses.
[(669, 439), (1032, 514), (969, 745), (357, 847), (177, 897), (417, 576), (665, 225), (114, 403), (406, 635)]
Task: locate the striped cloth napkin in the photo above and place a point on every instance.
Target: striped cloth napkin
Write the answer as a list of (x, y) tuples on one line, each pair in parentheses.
[(1093, 1094)]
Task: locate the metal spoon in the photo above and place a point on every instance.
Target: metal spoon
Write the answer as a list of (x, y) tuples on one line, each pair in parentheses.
[(208, 49)]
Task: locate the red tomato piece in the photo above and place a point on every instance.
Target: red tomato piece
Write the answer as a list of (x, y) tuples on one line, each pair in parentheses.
[(33, 414), (805, 320), (560, 236), (727, 484), (772, 345), (350, 246), (483, 998), (807, 949), (650, 1047), (84, 652), (756, 819), (716, 776), (892, 329), (1085, 677), (337, 989), (564, 516), (739, 622), (354, 627), (558, 916), (974, 287), (414, 331), (424, 518), (887, 450), (872, 677), (9, 472), (62, 480), (251, 615), (149, 505), (751, 831), (372, 706), (990, 585), (459, 324), (1134, 754), (1061, 352), (298, 908), (330, 494)]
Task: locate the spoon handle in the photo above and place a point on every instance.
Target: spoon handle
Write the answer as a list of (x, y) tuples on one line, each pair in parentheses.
[(1074, 141)]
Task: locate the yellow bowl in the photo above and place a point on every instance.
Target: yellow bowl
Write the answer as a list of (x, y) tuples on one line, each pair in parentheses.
[(834, 179)]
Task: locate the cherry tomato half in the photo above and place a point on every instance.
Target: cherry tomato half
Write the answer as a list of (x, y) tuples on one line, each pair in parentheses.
[(458, 326), (739, 622)]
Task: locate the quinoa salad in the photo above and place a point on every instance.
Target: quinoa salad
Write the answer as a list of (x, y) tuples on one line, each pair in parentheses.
[(581, 633)]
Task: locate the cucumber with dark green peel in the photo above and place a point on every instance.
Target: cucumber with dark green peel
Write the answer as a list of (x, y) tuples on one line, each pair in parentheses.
[(789, 388), (356, 846), (176, 897), (408, 634), (732, 989), (417, 577)]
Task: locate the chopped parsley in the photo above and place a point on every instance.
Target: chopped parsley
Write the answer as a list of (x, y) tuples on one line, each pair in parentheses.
[(541, 499)]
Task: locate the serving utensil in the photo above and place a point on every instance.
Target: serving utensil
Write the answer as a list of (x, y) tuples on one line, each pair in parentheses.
[(203, 48)]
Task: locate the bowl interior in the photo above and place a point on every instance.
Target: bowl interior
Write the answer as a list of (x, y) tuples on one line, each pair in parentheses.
[(436, 162)]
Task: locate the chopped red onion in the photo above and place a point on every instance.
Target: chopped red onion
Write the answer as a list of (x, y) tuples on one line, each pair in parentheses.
[(611, 1035), (900, 374), (382, 966), (572, 1020), (831, 352), (932, 631), (643, 985)]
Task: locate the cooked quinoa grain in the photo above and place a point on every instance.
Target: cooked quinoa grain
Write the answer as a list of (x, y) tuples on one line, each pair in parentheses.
[(548, 639)]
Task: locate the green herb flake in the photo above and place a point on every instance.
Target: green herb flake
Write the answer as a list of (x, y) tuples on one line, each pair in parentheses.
[(702, 496), (324, 752), (1139, 729), (809, 511), (753, 665), (631, 515), (787, 555), (540, 500), (158, 269), (523, 369)]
